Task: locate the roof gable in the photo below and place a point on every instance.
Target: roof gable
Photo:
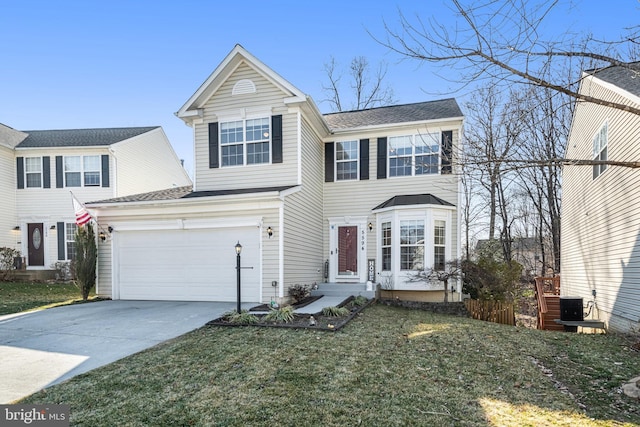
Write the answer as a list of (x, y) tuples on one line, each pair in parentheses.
[(10, 137), (626, 77), (231, 62), (80, 137)]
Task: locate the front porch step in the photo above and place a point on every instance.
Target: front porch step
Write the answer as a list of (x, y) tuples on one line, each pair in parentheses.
[(343, 290)]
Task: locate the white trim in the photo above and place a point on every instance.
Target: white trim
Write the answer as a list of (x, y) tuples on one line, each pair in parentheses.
[(361, 223), (616, 89), (281, 250), (299, 141), (184, 224)]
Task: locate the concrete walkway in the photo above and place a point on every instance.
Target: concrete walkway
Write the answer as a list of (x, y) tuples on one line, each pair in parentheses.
[(41, 348)]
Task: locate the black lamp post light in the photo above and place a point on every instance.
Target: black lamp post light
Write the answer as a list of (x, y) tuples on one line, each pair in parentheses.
[(238, 251)]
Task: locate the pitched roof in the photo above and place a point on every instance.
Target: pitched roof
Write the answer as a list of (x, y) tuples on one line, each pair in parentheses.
[(413, 199), (626, 77), (187, 193), (80, 137), (430, 110)]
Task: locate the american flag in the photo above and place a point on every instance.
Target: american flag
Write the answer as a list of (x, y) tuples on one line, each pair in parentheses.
[(82, 215)]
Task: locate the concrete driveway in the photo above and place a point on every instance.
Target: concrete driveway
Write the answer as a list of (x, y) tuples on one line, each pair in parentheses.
[(46, 347)]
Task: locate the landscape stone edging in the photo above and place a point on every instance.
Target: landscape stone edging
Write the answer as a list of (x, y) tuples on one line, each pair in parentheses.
[(451, 308)]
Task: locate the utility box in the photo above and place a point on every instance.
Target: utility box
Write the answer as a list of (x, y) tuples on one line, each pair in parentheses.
[(571, 309)]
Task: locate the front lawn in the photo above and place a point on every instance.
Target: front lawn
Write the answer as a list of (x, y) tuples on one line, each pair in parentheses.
[(388, 366), (21, 296)]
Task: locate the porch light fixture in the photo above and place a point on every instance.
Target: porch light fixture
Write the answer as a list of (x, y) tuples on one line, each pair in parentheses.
[(102, 236), (270, 231), (16, 228), (370, 226), (110, 228), (53, 227), (238, 248)]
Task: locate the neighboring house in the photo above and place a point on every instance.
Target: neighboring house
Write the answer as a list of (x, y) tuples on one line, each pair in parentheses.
[(600, 212), (345, 197), (40, 169)]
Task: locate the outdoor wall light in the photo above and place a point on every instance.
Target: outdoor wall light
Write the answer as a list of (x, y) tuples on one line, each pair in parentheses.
[(270, 231), (370, 226), (17, 227), (53, 227), (102, 236), (110, 228)]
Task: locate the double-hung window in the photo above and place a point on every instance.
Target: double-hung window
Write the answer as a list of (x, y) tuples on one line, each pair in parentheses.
[(245, 142), (411, 155), (82, 171), (346, 160), (386, 246), (70, 239), (411, 245), (600, 141), (33, 171), (439, 245)]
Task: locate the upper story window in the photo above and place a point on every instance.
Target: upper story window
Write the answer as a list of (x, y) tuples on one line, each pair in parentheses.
[(411, 155), (245, 142), (346, 160), (82, 171), (33, 172), (600, 141)]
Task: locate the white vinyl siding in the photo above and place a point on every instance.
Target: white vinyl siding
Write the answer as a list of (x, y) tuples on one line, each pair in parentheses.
[(267, 97), (303, 225), (145, 163), (8, 220), (601, 218)]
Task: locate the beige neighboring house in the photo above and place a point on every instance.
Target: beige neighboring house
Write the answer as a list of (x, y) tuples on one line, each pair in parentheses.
[(343, 198), (600, 209), (39, 170)]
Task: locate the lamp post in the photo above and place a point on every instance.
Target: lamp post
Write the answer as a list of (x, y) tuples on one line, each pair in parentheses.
[(238, 250)]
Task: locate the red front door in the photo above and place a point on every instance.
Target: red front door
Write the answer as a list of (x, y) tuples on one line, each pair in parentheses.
[(348, 250), (36, 244)]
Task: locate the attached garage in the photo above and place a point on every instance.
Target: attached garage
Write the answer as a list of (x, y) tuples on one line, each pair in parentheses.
[(194, 264)]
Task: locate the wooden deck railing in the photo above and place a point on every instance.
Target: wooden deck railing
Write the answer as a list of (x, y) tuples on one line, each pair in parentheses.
[(548, 299)]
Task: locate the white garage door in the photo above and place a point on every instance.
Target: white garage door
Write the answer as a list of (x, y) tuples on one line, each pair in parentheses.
[(187, 265)]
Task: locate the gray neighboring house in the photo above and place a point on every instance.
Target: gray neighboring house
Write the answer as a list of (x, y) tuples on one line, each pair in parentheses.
[(347, 198), (600, 213), (40, 169)]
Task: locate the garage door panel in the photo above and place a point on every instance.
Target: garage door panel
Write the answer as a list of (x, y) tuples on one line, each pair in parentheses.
[(194, 265)]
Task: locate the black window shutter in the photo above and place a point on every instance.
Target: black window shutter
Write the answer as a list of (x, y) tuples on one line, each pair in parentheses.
[(46, 172), (276, 139), (329, 154), (59, 172), (364, 159), (105, 170), (20, 172), (213, 145), (61, 241), (446, 152), (382, 158)]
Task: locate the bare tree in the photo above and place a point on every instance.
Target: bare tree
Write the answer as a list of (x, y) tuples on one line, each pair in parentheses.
[(500, 40), (367, 88)]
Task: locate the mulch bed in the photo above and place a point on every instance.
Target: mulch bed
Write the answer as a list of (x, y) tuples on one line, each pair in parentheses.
[(302, 320), (303, 303)]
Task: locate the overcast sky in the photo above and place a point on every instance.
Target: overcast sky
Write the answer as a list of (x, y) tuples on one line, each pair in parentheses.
[(86, 64)]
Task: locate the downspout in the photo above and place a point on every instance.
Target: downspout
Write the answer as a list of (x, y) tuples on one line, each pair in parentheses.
[(458, 216), (115, 171)]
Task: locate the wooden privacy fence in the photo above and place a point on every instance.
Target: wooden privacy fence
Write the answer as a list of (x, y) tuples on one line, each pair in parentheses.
[(491, 311)]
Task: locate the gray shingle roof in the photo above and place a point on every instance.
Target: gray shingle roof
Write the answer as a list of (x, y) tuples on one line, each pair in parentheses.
[(413, 199), (186, 193), (626, 77), (430, 110), (80, 137)]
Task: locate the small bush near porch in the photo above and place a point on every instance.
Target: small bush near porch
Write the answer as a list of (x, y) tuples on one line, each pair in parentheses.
[(22, 296)]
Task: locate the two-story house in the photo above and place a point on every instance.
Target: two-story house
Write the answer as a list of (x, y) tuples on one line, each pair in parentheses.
[(600, 215), (42, 168), (348, 197)]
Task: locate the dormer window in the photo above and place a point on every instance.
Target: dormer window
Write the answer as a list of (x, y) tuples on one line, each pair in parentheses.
[(245, 142)]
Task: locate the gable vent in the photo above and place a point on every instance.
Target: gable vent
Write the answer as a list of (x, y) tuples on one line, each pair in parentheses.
[(243, 87)]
